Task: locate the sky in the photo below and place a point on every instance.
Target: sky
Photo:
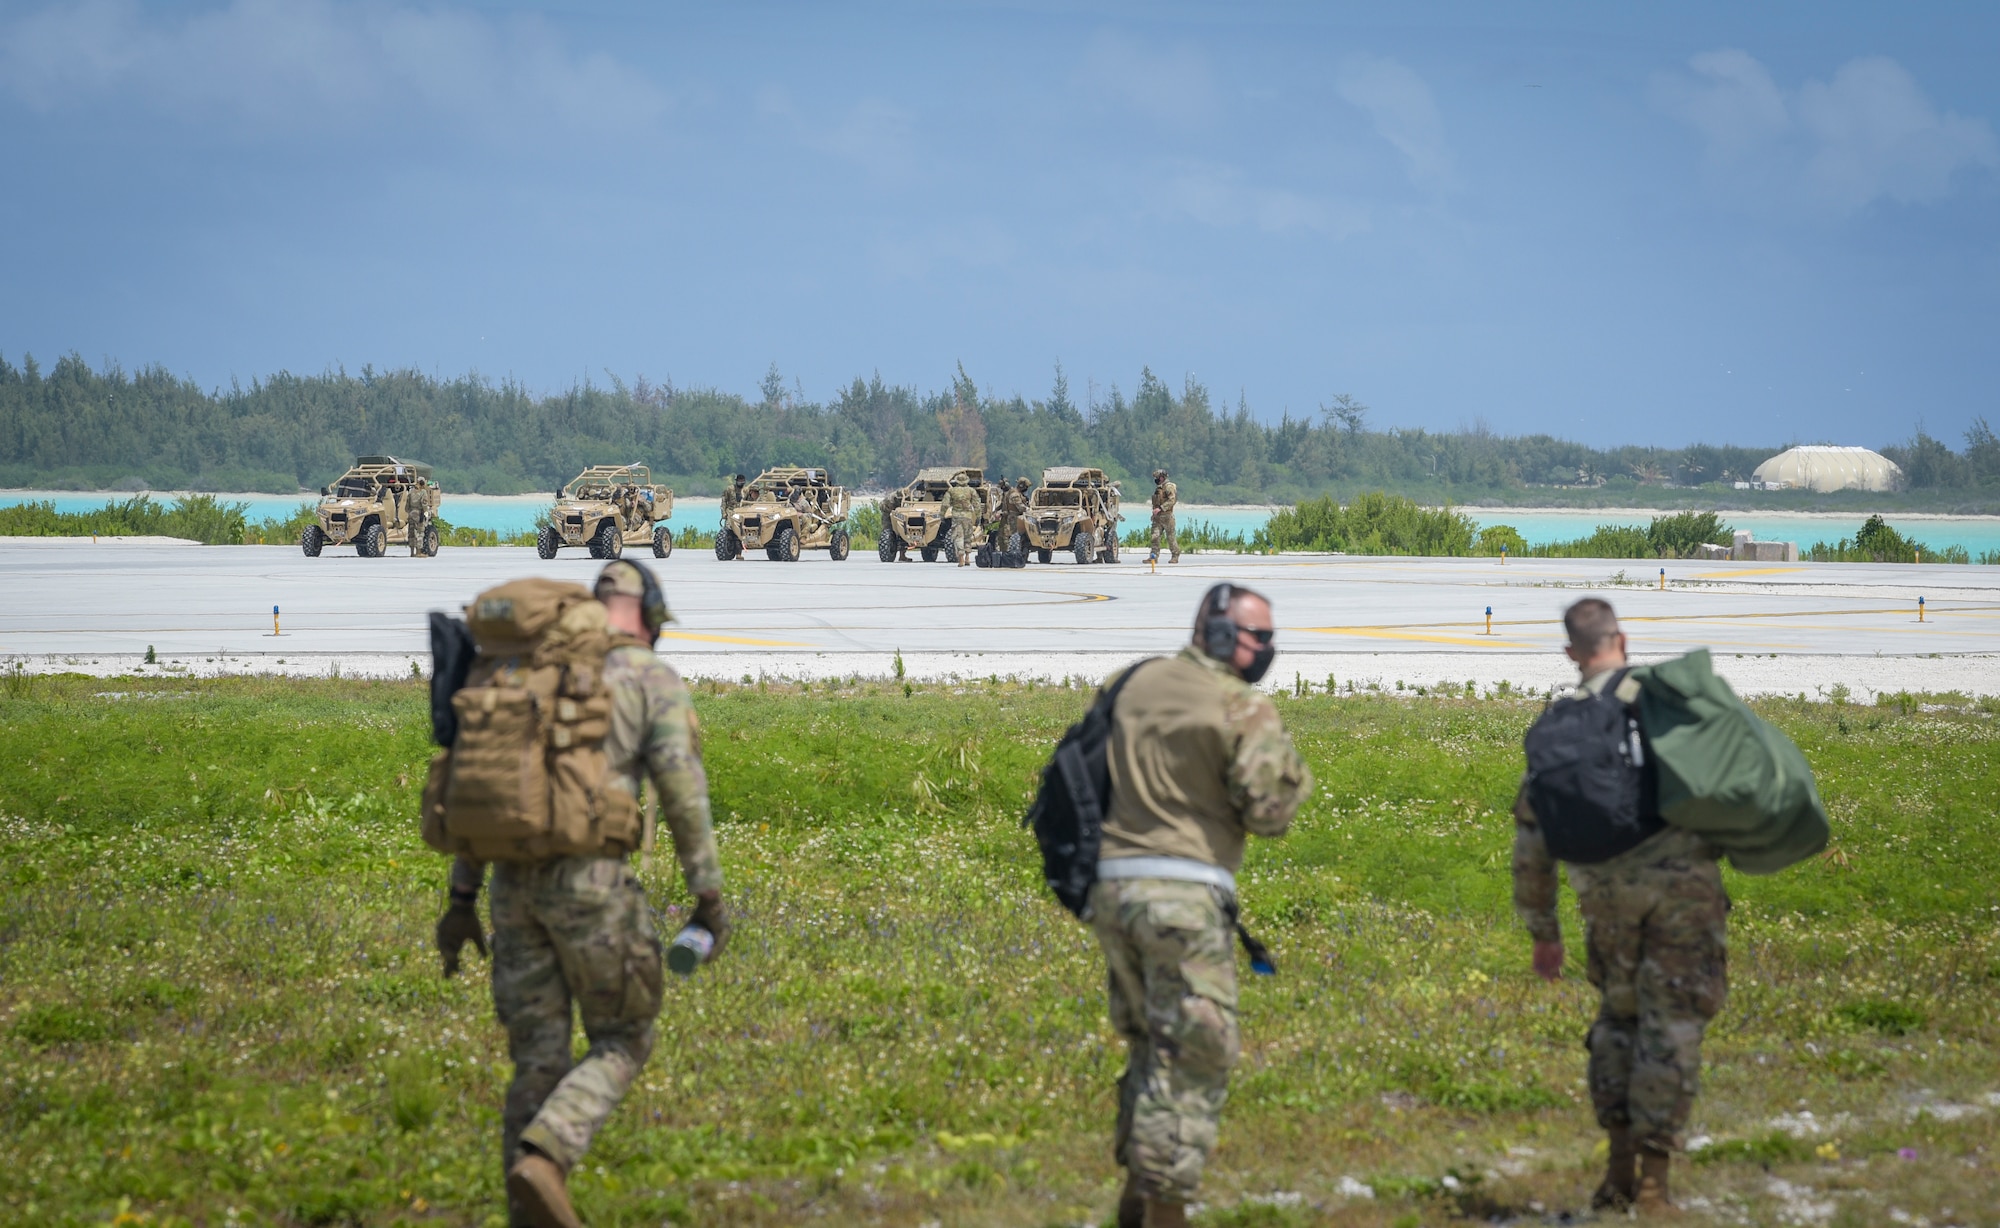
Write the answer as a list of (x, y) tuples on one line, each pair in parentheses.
[(1659, 224)]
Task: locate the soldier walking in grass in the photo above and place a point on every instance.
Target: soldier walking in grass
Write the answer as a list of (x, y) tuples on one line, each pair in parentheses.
[(1199, 760), (1655, 928), (576, 931), (1165, 496)]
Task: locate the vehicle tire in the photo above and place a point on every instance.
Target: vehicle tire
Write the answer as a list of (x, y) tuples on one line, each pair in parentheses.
[(1108, 553), (431, 541), (1045, 555), (607, 542), (928, 553), (312, 541), (785, 544), (663, 542), (947, 544), (727, 544), (373, 541), (1084, 547), (838, 545), (885, 545), (547, 542)]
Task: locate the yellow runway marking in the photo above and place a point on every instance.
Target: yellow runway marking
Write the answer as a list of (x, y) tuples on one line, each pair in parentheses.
[(732, 639)]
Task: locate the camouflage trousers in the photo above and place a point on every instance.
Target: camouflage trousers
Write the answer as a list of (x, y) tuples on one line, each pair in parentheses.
[(1163, 526), (1173, 998), (1655, 934), (960, 540), (572, 930)]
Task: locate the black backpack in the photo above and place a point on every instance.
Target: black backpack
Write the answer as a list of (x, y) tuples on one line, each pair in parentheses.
[(1591, 779), (1068, 814)]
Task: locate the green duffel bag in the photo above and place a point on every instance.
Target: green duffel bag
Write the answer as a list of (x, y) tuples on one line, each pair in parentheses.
[(1724, 772)]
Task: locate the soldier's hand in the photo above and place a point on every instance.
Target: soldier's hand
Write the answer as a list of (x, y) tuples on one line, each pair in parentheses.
[(1549, 960), (458, 926), (713, 916)]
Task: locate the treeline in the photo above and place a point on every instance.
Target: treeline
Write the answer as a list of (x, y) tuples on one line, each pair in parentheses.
[(77, 427)]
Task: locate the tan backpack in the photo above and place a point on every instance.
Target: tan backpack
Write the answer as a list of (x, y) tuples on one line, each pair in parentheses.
[(527, 778)]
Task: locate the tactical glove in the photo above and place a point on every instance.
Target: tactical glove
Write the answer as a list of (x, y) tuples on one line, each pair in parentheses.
[(713, 916), (458, 926)]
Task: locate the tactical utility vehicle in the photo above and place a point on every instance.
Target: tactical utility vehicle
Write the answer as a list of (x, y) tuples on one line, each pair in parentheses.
[(380, 502), (923, 520), (1076, 510), (607, 508), (787, 510)]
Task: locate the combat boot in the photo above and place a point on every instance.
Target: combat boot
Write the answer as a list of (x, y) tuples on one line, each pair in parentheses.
[(1165, 1214), (1621, 1176), (1652, 1197), (536, 1185)]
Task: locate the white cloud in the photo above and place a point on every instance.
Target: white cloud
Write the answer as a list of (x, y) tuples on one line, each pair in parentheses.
[(1867, 134), (276, 66), (1217, 196), (1404, 113), (1174, 85)]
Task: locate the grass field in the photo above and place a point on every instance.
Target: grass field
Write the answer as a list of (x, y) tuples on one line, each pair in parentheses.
[(218, 1002)]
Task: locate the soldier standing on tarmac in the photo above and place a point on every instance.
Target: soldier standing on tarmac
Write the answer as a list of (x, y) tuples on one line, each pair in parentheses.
[(964, 508), (1165, 495), (578, 929), (1199, 761), (732, 498), (890, 502), (1655, 921), (417, 503), (1013, 507)]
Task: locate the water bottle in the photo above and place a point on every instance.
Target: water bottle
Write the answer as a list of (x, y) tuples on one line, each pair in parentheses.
[(690, 949)]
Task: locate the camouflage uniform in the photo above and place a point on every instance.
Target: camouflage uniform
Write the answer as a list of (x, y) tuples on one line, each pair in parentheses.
[(1165, 496), (1655, 929), (1013, 506), (964, 509), (579, 929), (1199, 761), (890, 502)]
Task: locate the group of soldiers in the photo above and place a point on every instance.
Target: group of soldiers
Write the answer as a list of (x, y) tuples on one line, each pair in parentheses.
[(1199, 760), (407, 503)]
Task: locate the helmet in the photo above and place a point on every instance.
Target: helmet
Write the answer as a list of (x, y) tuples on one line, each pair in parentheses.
[(1021, 484), (1159, 475), (625, 578)]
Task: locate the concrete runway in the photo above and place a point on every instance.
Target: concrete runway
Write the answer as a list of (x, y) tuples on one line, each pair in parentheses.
[(72, 604)]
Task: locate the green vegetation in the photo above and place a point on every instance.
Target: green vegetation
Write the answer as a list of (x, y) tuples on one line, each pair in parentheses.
[(75, 427), (220, 1004), (199, 518), (1381, 523), (1878, 542)]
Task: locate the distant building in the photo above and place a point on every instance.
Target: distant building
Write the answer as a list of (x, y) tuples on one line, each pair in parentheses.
[(1822, 467)]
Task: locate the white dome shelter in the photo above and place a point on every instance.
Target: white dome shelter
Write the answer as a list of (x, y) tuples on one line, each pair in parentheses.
[(1822, 467)]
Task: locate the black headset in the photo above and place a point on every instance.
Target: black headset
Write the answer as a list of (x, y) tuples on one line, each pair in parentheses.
[(1218, 630), (652, 599)]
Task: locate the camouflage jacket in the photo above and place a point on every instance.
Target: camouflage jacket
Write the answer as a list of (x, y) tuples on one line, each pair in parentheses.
[(961, 502), (1165, 496), (653, 734), (1536, 881), (1199, 762)]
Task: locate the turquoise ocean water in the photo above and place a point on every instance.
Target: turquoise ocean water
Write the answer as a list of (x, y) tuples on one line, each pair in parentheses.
[(516, 514)]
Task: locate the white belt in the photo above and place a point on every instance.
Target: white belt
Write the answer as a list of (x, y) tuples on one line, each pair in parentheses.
[(1184, 869)]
